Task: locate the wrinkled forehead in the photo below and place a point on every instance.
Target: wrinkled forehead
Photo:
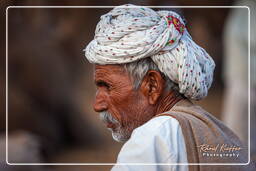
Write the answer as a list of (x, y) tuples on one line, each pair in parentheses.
[(109, 71)]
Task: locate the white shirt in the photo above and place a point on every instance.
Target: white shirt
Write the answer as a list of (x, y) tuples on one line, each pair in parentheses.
[(160, 140)]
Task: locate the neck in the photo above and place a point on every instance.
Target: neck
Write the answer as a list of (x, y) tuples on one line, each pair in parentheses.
[(168, 101)]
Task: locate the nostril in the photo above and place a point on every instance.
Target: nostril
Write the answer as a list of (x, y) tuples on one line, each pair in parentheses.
[(100, 102), (100, 106)]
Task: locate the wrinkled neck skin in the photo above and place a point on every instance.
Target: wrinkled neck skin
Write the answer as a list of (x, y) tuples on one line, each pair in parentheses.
[(167, 101)]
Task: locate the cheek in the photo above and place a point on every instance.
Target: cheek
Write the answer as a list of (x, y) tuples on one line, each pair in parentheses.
[(121, 103), (120, 94), (136, 108), (139, 106), (117, 104), (139, 111)]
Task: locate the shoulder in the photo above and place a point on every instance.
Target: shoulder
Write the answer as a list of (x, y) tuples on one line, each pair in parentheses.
[(158, 140), (157, 126), (187, 107)]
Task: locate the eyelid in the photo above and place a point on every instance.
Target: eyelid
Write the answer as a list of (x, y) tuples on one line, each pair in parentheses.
[(101, 83)]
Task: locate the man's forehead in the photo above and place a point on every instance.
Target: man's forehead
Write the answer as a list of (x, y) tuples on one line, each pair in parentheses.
[(107, 70)]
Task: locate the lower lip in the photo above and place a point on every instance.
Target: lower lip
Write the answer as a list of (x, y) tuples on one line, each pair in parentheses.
[(110, 125)]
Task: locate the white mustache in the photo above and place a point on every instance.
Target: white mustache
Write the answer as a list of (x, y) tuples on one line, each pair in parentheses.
[(118, 133), (107, 117)]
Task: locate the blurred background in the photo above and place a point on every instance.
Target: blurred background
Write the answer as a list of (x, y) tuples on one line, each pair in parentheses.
[(51, 90)]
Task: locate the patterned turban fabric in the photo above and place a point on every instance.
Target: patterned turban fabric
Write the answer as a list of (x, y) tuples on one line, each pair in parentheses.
[(129, 33)]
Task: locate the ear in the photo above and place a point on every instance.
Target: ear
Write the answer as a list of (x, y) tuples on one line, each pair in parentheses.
[(152, 86)]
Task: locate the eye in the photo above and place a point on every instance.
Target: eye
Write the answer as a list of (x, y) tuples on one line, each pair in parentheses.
[(102, 84)]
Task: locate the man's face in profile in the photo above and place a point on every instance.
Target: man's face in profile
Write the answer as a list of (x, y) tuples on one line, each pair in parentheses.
[(121, 107)]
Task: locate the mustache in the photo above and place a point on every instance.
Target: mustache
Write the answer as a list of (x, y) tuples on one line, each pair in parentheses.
[(106, 117)]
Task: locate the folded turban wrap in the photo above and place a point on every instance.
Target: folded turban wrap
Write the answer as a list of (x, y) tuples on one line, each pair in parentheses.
[(129, 33)]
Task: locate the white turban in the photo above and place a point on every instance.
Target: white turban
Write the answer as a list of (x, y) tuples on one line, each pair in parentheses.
[(129, 33)]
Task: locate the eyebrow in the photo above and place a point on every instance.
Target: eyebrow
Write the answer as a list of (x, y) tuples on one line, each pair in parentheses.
[(101, 77)]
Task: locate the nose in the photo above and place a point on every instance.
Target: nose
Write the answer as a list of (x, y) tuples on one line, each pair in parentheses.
[(100, 103)]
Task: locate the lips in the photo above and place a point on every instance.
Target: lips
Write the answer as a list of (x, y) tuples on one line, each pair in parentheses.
[(108, 120), (110, 125)]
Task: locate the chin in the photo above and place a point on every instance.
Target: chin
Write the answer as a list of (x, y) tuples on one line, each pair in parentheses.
[(120, 137)]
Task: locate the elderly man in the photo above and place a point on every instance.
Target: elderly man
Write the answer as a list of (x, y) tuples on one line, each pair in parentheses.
[(147, 68)]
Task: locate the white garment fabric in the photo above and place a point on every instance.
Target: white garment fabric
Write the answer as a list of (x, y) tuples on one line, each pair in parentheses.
[(129, 33), (160, 140)]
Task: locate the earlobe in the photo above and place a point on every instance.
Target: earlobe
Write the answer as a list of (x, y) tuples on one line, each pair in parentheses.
[(152, 86)]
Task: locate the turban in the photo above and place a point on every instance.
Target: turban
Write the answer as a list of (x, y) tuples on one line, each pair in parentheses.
[(129, 33)]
